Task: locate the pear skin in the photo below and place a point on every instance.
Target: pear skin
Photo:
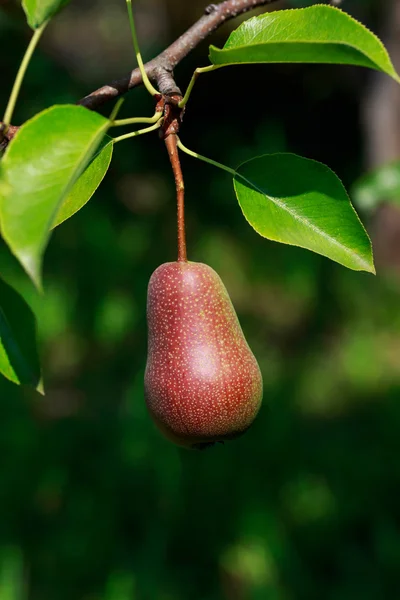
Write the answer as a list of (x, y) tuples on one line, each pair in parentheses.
[(202, 382)]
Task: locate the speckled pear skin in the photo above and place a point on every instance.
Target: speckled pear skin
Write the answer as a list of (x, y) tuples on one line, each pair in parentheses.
[(202, 382)]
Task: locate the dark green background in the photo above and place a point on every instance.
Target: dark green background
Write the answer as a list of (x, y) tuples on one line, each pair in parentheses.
[(94, 504)]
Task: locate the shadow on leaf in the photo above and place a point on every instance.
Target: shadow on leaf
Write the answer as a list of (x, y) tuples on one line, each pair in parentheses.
[(19, 359)]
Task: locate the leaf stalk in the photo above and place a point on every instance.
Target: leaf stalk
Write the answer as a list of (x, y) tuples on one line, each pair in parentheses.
[(20, 76), (146, 81), (136, 133)]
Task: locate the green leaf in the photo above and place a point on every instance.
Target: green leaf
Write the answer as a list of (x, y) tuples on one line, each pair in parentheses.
[(38, 11), (88, 182), (318, 34), (301, 202), (19, 360), (381, 185), (41, 165)]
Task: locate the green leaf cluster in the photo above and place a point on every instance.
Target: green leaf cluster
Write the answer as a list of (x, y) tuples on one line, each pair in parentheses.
[(59, 158)]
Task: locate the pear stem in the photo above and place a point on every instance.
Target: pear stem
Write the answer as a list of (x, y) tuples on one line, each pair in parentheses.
[(172, 147)]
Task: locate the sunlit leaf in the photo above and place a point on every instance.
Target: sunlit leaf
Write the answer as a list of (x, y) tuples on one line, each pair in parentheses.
[(41, 165), (88, 182), (318, 34), (297, 201)]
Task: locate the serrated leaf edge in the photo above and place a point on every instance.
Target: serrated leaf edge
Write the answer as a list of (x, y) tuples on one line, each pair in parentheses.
[(110, 143), (31, 263), (393, 74), (370, 266)]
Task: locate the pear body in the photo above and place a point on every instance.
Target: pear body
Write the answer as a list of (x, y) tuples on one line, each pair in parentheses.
[(202, 382)]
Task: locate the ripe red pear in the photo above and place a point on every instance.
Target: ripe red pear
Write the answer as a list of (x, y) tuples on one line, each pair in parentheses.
[(202, 382)]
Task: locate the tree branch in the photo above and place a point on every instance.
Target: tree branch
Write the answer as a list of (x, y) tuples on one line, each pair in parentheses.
[(6, 136), (160, 69)]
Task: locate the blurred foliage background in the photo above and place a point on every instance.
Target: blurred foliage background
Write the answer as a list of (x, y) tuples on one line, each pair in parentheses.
[(94, 504)]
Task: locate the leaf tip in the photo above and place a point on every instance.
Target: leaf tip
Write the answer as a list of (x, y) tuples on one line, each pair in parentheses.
[(40, 388), (32, 265), (368, 266)]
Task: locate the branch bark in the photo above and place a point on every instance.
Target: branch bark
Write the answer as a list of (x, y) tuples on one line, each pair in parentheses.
[(160, 69), (5, 138)]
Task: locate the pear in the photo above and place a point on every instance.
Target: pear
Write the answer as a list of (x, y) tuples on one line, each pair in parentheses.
[(202, 382)]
